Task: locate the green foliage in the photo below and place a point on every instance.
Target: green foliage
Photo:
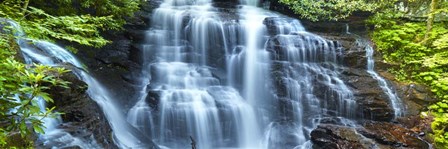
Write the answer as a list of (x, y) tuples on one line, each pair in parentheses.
[(21, 86), (328, 9), (118, 9), (402, 43), (339, 9), (440, 124), (79, 21), (82, 29)]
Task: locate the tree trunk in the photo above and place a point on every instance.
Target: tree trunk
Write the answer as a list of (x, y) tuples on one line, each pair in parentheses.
[(430, 21), (25, 7)]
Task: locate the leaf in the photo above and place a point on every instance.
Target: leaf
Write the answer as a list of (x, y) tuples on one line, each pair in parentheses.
[(46, 97), (38, 129)]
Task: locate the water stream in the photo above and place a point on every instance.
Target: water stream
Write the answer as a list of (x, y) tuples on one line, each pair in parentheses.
[(47, 53), (240, 77), (395, 101), (187, 95)]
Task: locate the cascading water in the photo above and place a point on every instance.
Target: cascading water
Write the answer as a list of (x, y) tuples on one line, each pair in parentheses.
[(192, 101), (279, 80), (47, 53), (54, 137), (239, 77), (125, 135), (395, 101)]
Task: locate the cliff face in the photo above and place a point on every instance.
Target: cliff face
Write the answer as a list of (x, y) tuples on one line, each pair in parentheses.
[(379, 128), (119, 64), (82, 117)]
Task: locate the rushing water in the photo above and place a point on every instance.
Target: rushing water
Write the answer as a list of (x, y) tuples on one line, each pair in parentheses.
[(238, 77), (248, 106), (395, 101), (47, 53), (54, 137)]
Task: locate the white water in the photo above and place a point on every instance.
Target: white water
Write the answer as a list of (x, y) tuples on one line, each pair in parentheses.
[(192, 101), (184, 97), (54, 137), (279, 81), (50, 54), (395, 101), (124, 134), (256, 58)]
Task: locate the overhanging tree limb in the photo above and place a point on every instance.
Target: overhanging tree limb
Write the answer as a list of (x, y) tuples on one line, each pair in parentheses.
[(430, 21)]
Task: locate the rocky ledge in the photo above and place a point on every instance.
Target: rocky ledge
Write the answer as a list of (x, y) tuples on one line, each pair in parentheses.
[(369, 135), (382, 131), (82, 117)]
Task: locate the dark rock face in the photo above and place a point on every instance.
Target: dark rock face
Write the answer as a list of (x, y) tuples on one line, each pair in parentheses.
[(392, 134), (118, 65), (372, 100), (414, 96), (337, 137), (371, 135), (82, 116), (374, 104)]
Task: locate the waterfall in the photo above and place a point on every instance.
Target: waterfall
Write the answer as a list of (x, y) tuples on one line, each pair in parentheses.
[(54, 136), (192, 101), (395, 101), (239, 77), (47, 53), (125, 135), (279, 81)]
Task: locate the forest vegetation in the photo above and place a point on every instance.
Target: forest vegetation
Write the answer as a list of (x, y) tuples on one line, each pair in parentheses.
[(21, 85), (410, 34)]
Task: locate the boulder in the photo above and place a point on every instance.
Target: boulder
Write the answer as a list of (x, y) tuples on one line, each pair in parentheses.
[(327, 136)]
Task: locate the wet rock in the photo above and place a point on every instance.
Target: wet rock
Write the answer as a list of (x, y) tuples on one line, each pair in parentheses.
[(273, 25), (226, 3), (416, 97), (381, 135), (369, 96), (327, 136), (118, 56), (283, 129), (303, 47), (153, 99), (417, 124), (83, 114), (136, 35), (392, 134), (136, 53), (355, 59)]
